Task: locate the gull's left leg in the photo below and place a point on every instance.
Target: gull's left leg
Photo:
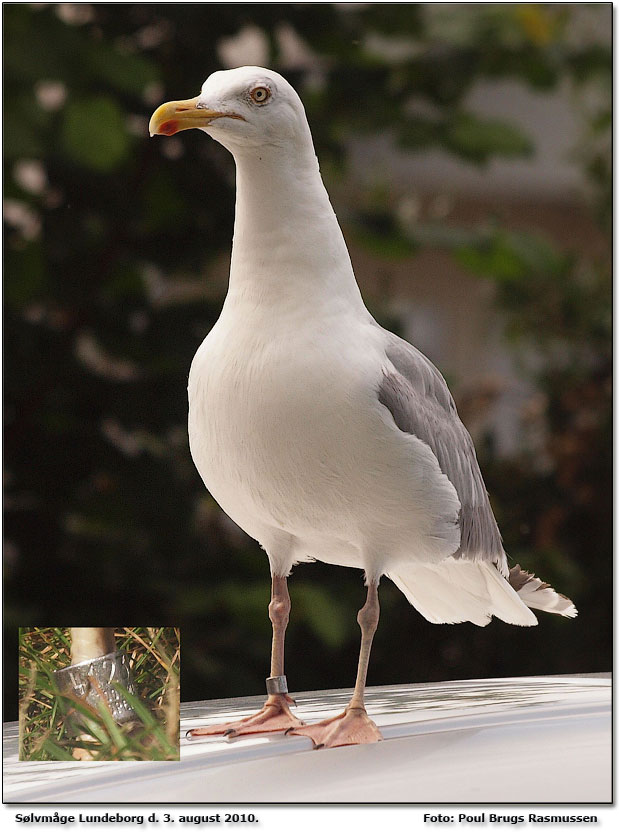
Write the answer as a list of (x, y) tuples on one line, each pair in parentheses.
[(275, 714), (354, 726)]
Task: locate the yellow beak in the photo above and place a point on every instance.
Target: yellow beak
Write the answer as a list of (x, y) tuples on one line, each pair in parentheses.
[(174, 116)]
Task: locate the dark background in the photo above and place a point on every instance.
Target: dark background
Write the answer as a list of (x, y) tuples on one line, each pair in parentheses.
[(115, 246)]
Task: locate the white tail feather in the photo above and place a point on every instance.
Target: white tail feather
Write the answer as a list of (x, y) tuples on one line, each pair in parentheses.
[(539, 595), (454, 591)]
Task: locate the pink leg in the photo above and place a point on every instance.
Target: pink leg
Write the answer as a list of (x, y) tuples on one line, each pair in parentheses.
[(275, 714), (354, 726)]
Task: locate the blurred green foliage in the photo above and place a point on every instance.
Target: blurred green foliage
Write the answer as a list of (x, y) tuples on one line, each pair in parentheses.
[(109, 249)]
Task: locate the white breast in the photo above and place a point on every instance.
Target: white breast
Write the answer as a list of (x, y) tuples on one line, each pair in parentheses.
[(293, 438)]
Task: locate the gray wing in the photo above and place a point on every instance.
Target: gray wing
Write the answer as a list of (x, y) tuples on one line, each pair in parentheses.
[(419, 400)]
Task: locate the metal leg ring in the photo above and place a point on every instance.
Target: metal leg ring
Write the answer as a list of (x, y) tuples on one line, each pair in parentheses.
[(277, 684), (94, 680)]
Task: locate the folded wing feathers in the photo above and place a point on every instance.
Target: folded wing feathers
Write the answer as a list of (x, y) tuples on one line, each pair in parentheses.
[(539, 595), (420, 402), (475, 583)]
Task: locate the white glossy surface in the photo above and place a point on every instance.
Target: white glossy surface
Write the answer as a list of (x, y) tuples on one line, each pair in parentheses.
[(533, 740)]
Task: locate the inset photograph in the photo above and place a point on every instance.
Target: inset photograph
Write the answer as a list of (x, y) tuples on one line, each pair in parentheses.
[(99, 693)]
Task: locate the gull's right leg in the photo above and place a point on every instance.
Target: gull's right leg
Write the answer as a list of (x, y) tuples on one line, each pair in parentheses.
[(354, 726), (275, 714)]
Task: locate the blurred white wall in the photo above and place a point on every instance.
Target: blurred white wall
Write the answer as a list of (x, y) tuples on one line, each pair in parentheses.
[(446, 312)]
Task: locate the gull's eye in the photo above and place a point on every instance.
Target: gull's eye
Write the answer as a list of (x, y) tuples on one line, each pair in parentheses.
[(260, 94)]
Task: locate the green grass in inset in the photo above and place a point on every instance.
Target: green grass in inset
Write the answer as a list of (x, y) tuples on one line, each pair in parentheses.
[(154, 655)]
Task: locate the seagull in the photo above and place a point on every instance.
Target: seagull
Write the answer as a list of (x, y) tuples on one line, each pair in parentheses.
[(321, 434)]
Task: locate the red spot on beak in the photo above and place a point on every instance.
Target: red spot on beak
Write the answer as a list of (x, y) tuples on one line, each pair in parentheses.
[(169, 128)]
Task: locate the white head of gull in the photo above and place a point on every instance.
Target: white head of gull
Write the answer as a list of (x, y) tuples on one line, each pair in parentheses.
[(321, 434)]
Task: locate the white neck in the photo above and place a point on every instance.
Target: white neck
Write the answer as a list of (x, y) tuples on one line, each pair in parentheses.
[(288, 249)]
